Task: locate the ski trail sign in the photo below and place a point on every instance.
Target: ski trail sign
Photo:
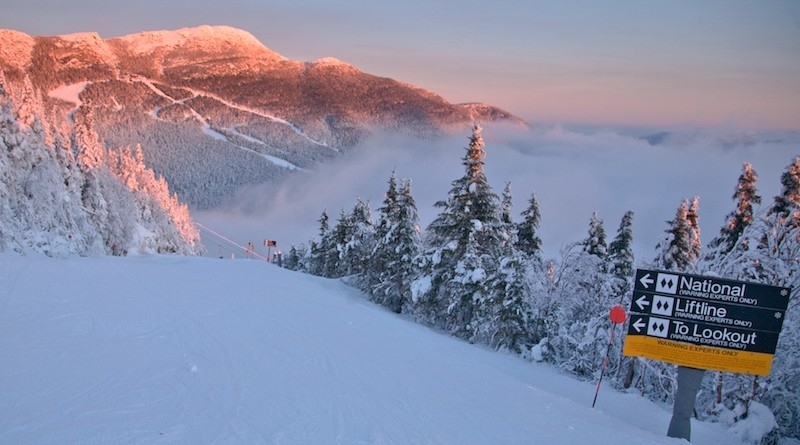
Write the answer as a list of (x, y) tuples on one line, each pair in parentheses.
[(705, 322)]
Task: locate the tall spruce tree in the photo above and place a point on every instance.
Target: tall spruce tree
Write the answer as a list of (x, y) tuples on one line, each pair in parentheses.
[(377, 261), (506, 218), (676, 251), (472, 209), (620, 251), (738, 220), (595, 243), (787, 204), (318, 250), (693, 217), (357, 249), (296, 258), (528, 240), (396, 248), (341, 234), (463, 243)]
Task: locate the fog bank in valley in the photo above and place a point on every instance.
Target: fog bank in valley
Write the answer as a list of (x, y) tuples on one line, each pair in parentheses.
[(574, 172)]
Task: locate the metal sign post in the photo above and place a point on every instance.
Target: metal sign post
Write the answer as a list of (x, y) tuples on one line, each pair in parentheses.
[(269, 244)]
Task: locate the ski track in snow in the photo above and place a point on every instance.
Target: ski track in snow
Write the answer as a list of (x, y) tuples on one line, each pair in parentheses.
[(204, 122), (168, 349), (70, 93), (275, 160)]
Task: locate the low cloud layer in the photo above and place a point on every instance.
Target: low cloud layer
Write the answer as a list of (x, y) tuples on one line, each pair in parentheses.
[(573, 174)]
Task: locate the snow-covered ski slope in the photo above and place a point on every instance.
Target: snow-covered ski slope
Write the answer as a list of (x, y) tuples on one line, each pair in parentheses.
[(180, 350)]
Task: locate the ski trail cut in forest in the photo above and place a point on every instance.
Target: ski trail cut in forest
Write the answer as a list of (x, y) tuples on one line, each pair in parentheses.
[(199, 93)]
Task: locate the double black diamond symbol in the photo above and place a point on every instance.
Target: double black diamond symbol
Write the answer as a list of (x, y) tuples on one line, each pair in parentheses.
[(663, 306), (657, 326), (667, 284)]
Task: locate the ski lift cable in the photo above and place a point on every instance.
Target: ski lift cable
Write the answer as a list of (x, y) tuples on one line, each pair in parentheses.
[(231, 242)]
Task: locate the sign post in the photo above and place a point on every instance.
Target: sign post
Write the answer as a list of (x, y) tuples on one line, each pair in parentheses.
[(269, 244), (703, 323)]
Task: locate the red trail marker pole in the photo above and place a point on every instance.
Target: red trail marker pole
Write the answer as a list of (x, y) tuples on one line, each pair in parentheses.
[(617, 315)]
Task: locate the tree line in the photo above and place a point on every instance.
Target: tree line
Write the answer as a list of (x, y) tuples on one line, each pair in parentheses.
[(62, 191)]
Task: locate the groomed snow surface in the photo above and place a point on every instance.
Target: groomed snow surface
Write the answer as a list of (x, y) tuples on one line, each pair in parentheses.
[(166, 349)]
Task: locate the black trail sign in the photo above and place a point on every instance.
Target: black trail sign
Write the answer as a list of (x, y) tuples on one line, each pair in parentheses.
[(705, 322)]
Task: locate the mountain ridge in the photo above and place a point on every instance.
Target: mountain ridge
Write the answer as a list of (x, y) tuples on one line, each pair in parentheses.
[(193, 94)]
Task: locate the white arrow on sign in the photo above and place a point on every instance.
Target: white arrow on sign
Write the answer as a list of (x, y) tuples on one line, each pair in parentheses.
[(646, 281), (638, 325), (642, 302)]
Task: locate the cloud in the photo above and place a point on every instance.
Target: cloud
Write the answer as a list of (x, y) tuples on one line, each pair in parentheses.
[(573, 173)]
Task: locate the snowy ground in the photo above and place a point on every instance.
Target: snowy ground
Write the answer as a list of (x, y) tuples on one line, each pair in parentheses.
[(164, 349)]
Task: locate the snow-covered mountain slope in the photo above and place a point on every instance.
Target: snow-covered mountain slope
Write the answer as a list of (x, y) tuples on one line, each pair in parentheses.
[(170, 349), (214, 109)]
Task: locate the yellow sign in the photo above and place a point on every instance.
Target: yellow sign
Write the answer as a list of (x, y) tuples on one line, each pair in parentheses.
[(698, 356)]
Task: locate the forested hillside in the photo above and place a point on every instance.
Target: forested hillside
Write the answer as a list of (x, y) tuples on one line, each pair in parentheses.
[(214, 110), (63, 192)]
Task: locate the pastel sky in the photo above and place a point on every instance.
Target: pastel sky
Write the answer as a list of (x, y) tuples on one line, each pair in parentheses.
[(645, 63)]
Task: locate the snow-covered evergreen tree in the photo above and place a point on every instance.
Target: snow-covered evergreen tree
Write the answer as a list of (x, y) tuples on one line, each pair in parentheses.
[(595, 243), (384, 224), (397, 245), (506, 218), (620, 251), (693, 217), (294, 259), (319, 248), (336, 263), (677, 251), (787, 204), (462, 242), (30, 107), (472, 209), (91, 152), (362, 242), (528, 240), (503, 318), (746, 195)]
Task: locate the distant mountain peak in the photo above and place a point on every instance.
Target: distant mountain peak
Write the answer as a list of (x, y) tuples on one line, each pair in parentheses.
[(191, 95), (217, 36)]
